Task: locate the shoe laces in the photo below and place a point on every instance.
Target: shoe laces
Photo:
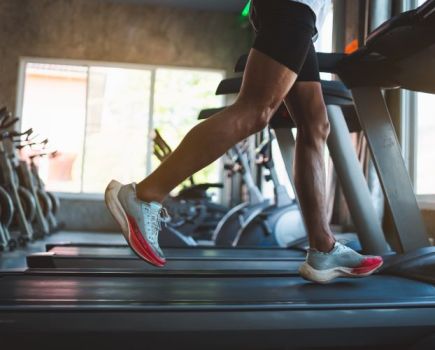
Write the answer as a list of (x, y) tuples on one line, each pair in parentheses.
[(343, 241), (153, 220)]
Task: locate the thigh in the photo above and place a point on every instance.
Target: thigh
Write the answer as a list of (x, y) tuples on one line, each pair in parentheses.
[(266, 82)]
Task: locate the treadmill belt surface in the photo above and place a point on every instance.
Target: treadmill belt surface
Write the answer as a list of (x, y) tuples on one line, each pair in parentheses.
[(237, 312), (133, 291)]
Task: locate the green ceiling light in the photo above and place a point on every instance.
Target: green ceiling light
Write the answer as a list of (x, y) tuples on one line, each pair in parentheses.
[(245, 12)]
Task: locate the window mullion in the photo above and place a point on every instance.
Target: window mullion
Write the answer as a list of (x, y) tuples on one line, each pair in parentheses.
[(82, 172), (150, 122), (409, 129)]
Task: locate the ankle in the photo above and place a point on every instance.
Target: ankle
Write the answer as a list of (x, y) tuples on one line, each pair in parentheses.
[(324, 245), (147, 196)]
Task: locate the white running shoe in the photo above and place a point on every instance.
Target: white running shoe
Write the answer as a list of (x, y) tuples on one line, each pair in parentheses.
[(140, 222), (342, 261)]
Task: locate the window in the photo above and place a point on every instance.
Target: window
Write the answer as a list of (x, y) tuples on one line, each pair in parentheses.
[(324, 41), (425, 129), (425, 157), (99, 117), (179, 96)]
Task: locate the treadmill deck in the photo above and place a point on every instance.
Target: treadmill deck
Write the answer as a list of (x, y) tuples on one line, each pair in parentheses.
[(213, 312), (54, 288)]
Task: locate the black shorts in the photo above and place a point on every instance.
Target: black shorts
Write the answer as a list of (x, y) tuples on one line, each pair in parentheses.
[(284, 32)]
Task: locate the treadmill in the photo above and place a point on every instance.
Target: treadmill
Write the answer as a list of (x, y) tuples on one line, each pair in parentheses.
[(110, 256), (343, 120), (62, 307)]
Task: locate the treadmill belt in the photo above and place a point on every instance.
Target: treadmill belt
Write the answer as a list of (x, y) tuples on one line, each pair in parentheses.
[(137, 292), (220, 312)]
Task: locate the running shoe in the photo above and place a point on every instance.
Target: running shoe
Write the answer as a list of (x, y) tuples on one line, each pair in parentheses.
[(140, 222), (341, 261)]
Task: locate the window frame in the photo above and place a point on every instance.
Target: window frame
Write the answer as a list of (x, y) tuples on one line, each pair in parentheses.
[(24, 60)]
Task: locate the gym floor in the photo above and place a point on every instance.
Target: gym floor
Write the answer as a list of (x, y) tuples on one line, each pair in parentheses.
[(17, 259)]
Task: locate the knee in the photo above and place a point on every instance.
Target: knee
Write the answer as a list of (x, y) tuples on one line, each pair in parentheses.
[(314, 127), (261, 117), (257, 114)]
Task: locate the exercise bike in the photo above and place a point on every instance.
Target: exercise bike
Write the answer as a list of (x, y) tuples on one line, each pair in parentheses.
[(237, 218), (280, 224), (48, 200), (33, 206), (28, 181), (22, 200), (7, 242)]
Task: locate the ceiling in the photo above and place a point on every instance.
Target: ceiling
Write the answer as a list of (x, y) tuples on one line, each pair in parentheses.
[(208, 5)]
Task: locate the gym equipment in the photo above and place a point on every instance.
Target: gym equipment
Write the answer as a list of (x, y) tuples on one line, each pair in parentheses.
[(23, 202), (6, 215), (27, 180), (48, 200), (31, 205), (280, 224), (264, 224), (237, 217), (6, 209)]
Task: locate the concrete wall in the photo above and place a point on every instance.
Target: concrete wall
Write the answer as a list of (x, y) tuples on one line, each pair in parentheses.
[(106, 31)]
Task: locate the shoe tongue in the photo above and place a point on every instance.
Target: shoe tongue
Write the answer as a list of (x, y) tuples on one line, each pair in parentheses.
[(339, 246)]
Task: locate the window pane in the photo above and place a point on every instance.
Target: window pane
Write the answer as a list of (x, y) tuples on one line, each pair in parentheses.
[(116, 126), (426, 144), (179, 97), (98, 118), (324, 41), (54, 106)]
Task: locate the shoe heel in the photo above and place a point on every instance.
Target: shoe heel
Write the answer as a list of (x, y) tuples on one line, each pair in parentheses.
[(115, 207), (310, 274)]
